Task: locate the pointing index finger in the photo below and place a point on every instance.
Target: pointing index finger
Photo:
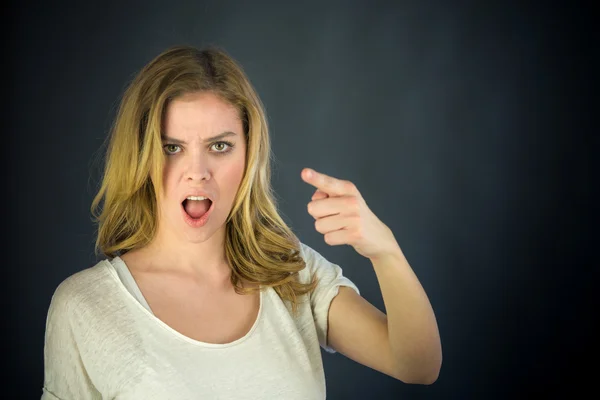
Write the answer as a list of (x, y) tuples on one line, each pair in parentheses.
[(325, 183)]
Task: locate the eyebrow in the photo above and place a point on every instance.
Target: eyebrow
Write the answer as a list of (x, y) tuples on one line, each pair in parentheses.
[(210, 139)]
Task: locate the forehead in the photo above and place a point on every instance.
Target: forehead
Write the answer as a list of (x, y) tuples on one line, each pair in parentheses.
[(201, 112)]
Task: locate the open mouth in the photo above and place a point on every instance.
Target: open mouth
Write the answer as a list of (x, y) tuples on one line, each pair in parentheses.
[(196, 208)]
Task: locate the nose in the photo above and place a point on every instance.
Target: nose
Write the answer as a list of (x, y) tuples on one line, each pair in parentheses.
[(198, 168)]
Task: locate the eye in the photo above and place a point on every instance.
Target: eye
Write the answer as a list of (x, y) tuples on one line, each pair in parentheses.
[(223, 147), (171, 148)]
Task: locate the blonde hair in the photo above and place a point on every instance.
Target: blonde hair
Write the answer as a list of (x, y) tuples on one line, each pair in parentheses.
[(259, 246)]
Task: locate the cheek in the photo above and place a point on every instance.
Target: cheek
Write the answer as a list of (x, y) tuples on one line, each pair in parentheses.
[(233, 176), (169, 181)]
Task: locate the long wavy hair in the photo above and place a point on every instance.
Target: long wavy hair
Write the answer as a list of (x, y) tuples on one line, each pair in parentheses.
[(259, 246)]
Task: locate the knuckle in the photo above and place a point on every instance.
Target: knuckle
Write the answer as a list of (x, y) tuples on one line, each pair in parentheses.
[(352, 201)]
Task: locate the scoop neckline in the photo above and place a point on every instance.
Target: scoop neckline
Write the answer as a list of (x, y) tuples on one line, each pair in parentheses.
[(173, 331)]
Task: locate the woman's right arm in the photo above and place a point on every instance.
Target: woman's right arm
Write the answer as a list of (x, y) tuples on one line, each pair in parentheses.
[(65, 376)]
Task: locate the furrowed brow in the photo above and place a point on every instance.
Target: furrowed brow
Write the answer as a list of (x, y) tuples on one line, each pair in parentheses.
[(211, 139)]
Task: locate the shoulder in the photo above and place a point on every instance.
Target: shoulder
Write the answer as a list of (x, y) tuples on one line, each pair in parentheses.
[(328, 273), (316, 264), (79, 284), (313, 259), (309, 255), (82, 288)]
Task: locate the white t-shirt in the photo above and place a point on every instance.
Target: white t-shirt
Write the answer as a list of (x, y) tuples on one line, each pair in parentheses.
[(103, 342)]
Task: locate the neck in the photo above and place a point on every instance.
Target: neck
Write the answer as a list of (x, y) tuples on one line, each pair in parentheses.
[(200, 258)]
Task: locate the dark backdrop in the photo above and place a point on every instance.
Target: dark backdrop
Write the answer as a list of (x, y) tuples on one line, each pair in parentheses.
[(468, 128)]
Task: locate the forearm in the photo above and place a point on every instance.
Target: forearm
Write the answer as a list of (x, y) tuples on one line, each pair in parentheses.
[(412, 326)]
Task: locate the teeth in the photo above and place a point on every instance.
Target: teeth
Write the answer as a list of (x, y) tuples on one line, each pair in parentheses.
[(197, 198)]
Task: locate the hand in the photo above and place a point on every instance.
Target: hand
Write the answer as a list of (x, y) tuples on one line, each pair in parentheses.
[(343, 216)]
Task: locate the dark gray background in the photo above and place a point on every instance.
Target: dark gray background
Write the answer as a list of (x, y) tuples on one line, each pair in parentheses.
[(468, 128)]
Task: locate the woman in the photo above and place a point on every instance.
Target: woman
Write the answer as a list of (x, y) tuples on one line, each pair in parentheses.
[(205, 292)]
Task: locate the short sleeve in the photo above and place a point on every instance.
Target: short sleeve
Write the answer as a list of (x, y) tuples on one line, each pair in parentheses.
[(330, 278), (65, 376)]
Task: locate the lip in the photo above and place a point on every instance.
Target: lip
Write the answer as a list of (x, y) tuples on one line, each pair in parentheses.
[(197, 223)]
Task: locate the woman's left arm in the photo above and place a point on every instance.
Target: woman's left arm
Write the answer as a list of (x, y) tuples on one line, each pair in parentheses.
[(412, 326), (405, 343)]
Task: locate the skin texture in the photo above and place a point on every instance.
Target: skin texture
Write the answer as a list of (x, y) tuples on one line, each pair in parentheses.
[(211, 166), (405, 343)]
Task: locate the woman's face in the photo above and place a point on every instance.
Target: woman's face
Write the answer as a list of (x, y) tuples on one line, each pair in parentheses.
[(205, 151)]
